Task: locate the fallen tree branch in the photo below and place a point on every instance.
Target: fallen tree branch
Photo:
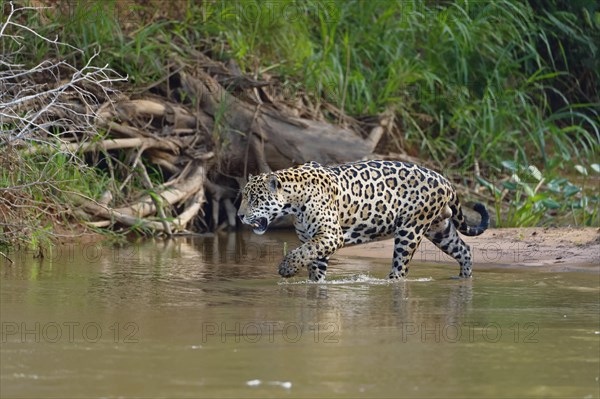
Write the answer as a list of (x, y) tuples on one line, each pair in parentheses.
[(192, 209), (288, 140), (156, 199), (6, 257), (172, 195), (118, 215), (115, 216), (109, 144)]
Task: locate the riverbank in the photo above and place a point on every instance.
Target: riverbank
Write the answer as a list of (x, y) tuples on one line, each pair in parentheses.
[(560, 249), (161, 143)]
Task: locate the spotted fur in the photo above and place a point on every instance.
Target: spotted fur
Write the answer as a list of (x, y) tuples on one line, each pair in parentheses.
[(358, 202)]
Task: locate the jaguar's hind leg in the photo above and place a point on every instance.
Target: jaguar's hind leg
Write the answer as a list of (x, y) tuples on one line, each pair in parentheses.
[(318, 269), (406, 242), (444, 235)]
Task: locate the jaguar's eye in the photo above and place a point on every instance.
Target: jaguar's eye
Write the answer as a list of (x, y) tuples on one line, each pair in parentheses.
[(250, 198)]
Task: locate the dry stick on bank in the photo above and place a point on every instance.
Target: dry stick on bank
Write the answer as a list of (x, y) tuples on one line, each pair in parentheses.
[(191, 187), (6, 257)]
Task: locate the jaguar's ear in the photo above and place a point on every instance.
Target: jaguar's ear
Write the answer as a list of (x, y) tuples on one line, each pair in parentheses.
[(249, 176), (273, 183)]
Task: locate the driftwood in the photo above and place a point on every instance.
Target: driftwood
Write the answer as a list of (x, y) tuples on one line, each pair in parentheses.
[(279, 140), (191, 188)]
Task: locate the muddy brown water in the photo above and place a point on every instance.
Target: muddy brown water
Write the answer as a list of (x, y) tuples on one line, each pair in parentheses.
[(210, 317)]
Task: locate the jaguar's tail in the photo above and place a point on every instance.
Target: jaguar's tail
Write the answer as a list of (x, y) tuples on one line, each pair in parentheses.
[(460, 222)]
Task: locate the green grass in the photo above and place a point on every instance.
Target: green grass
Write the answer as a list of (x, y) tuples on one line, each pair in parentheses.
[(486, 74), (490, 77), (476, 71), (36, 195)]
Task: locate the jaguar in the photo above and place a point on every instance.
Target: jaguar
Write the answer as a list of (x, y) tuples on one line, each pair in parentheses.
[(357, 202)]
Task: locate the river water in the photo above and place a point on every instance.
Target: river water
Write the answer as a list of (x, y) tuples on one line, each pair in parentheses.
[(210, 317)]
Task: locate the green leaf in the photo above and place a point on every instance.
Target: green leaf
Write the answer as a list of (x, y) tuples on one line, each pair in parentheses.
[(155, 197), (528, 190), (509, 185), (555, 185), (575, 204), (581, 169), (571, 190), (535, 172), (510, 165), (550, 203), (488, 185)]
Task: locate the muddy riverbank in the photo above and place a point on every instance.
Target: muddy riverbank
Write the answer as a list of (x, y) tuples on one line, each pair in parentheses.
[(552, 248)]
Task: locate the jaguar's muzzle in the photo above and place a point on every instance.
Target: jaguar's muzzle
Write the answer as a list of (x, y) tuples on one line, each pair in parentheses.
[(259, 225)]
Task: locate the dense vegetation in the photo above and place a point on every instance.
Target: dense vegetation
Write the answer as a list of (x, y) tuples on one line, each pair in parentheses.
[(502, 95)]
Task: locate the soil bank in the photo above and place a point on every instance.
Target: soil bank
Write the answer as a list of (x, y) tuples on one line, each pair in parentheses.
[(560, 249)]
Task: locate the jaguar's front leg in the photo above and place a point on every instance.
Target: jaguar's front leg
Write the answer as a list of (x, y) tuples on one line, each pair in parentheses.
[(318, 269), (313, 254), (291, 264)]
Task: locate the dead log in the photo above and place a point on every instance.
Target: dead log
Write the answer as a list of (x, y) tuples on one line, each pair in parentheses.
[(286, 139)]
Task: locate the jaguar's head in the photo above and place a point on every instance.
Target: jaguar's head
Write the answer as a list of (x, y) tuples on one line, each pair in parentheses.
[(262, 201)]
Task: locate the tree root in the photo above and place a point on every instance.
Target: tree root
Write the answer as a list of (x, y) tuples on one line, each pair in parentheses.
[(135, 215)]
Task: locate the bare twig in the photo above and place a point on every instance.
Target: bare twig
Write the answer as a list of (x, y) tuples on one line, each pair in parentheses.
[(156, 198), (194, 206), (28, 107), (6, 257), (110, 144)]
